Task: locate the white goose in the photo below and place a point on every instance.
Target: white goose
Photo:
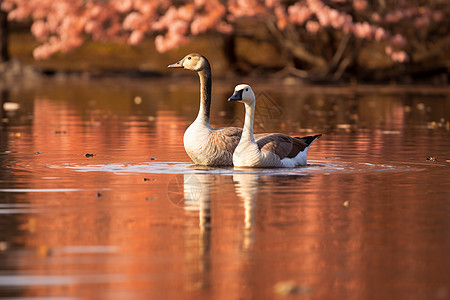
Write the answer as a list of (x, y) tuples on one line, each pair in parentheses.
[(204, 144), (274, 150)]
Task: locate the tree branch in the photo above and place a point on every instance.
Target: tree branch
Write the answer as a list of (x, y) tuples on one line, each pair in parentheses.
[(338, 55), (296, 49)]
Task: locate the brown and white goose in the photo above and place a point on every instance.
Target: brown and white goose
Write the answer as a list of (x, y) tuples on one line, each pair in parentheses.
[(204, 144), (274, 150)]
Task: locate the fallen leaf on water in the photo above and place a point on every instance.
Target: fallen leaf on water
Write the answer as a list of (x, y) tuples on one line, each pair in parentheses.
[(291, 288), (30, 225), (3, 246), (345, 204), (44, 251), (11, 106)]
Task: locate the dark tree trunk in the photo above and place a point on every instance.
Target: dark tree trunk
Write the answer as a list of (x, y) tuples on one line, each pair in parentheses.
[(4, 35), (229, 46)]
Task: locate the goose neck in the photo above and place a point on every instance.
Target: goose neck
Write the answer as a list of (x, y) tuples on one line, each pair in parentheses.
[(205, 95), (247, 132)]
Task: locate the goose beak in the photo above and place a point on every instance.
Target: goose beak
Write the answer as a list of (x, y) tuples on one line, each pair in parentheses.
[(176, 65), (237, 96)]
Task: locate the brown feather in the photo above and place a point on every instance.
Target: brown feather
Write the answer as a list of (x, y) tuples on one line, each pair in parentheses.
[(278, 143), (298, 145), (227, 138)]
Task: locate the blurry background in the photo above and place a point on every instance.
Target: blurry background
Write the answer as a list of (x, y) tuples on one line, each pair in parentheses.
[(312, 40)]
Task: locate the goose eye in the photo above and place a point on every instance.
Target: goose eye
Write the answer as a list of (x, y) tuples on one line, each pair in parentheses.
[(246, 89), (189, 58)]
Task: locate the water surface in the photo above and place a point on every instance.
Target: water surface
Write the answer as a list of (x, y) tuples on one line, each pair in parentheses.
[(368, 218)]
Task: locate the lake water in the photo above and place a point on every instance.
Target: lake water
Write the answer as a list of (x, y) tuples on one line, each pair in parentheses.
[(98, 199)]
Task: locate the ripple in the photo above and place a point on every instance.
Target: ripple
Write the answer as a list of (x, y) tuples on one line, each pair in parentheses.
[(11, 280), (314, 167)]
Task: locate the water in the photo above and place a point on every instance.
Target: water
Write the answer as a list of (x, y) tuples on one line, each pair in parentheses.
[(368, 218)]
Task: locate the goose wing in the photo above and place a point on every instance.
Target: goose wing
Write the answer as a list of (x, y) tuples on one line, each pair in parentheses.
[(227, 138), (301, 143), (298, 145), (278, 143)]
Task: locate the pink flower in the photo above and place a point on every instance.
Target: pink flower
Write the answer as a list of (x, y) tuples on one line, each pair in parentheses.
[(360, 4), (90, 26), (179, 28), (380, 34), (7, 5), (199, 3), (398, 40), (136, 37), (376, 17), (363, 30), (438, 16), (422, 21), (400, 56), (122, 5), (224, 27), (168, 42), (312, 26), (388, 50), (133, 21), (281, 16), (186, 12), (272, 3), (39, 30), (41, 52), (299, 13)]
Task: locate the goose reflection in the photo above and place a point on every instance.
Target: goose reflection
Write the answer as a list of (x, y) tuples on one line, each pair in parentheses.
[(199, 190), (246, 185), (197, 199)]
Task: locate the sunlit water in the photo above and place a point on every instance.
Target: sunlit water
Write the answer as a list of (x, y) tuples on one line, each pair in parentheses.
[(368, 218)]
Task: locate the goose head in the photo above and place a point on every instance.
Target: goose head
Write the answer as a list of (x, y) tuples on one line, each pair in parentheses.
[(243, 93), (193, 61)]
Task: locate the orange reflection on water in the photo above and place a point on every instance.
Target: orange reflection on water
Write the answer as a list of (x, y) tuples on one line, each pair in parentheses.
[(367, 219)]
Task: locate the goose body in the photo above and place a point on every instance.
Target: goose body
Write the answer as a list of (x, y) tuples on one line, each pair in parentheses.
[(271, 150), (211, 147), (204, 144)]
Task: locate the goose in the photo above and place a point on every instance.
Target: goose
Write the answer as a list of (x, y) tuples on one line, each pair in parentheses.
[(203, 144), (206, 145), (274, 150)]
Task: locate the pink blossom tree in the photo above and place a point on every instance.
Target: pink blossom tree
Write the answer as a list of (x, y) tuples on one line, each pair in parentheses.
[(322, 37)]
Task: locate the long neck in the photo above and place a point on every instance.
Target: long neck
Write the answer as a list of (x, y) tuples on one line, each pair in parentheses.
[(247, 131), (205, 96)]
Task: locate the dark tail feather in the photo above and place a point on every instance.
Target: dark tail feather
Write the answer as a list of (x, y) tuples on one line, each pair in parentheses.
[(309, 139)]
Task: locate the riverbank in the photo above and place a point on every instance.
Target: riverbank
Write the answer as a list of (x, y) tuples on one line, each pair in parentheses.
[(266, 61)]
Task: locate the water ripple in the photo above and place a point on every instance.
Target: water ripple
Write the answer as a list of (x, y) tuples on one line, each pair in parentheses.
[(321, 167)]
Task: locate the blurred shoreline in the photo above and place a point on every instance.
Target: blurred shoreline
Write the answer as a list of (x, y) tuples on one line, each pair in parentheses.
[(96, 60)]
